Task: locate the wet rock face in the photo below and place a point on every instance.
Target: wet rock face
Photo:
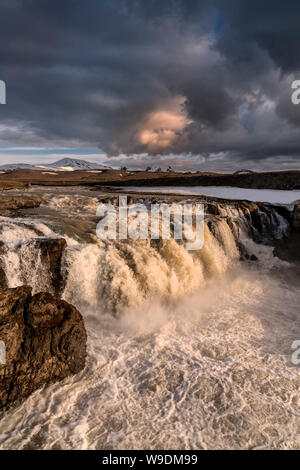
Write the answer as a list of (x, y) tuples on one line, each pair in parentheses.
[(296, 218), (3, 280), (45, 342), (51, 250), (289, 250), (212, 209), (45, 257)]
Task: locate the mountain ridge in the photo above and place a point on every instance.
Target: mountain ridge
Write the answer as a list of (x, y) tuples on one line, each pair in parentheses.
[(68, 164)]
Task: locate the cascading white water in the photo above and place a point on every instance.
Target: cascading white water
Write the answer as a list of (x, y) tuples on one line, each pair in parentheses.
[(21, 259), (108, 277), (196, 355)]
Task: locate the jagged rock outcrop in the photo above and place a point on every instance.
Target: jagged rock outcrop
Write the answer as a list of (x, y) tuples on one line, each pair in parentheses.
[(296, 218), (212, 209), (51, 252), (10, 205), (45, 342), (3, 280), (289, 250)]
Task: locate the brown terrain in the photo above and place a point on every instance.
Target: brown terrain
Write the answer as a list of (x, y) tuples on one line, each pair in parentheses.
[(286, 180)]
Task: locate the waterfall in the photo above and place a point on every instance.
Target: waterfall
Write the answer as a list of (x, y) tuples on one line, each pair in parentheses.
[(23, 259), (184, 347), (109, 276)]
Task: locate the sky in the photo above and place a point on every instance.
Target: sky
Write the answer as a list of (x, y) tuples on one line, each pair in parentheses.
[(198, 85)]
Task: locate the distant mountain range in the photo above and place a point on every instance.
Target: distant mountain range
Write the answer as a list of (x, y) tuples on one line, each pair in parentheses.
[(65, 164)]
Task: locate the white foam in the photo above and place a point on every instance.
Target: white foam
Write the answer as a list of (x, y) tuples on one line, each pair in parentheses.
[(207, 373), (199, 357)]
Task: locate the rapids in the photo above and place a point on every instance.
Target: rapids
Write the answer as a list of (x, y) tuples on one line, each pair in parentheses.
[(186, 350)]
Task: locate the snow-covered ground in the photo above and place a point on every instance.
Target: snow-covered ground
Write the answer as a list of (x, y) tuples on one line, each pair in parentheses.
[(226, 192)]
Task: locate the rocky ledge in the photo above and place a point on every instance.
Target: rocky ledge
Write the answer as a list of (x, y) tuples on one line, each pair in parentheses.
[(11, 205), (45, 341), (289, 250), (3, 280), (51, 253)]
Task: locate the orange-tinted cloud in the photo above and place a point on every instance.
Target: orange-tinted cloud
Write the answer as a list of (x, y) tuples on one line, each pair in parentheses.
[(161, 127)]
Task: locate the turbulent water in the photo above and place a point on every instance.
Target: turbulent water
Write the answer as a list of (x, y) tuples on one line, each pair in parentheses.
[(186, 350)]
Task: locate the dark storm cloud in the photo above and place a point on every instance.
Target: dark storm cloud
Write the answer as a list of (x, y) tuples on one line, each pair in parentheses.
[(132, 76), (272, 25)]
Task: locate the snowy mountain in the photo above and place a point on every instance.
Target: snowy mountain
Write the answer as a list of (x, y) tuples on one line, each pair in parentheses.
[(76, 164), (17, 166), (65, 164)]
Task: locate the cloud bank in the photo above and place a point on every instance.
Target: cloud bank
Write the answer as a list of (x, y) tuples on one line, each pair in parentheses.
[(196, 84)]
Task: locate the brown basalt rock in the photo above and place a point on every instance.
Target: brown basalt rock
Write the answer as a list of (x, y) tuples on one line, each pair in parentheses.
[(289, 250), (3, 280), (51, 250), (251, 212), (45, 342), (212, 209)]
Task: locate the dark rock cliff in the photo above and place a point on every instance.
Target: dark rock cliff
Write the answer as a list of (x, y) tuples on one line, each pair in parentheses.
[(289, 250), (296, 218)]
